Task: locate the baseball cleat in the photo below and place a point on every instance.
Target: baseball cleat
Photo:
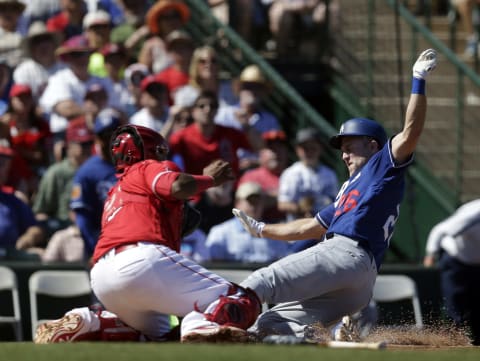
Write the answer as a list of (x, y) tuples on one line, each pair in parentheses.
[(216, 334), (348, 331), (70, 327)]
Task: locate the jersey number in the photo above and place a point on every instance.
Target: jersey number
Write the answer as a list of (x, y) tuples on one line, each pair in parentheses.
[(347, 202), (389, 224)]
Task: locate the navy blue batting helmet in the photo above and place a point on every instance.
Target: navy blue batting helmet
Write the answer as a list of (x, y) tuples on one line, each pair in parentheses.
[(360, 126)]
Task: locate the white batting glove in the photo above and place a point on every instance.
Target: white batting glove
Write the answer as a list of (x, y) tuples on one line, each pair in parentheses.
[(426, 62), (252, 226)]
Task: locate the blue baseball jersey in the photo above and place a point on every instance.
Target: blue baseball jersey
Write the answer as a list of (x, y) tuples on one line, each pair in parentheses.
[(368, 204), (91, 184), (15, 218)]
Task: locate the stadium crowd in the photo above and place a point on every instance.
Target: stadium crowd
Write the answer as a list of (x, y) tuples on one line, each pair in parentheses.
[(72, 71)]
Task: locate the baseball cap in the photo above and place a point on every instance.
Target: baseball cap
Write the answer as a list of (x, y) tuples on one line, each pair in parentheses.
[(252, 74), (150, 80), (135, 73), (273, 135), (19, 89), (78, 132), (307, 134), (99, 17), (95, 88), (178, 37), (161, 7), (248, 189), (112, 49), (75, 44), (107, 120)]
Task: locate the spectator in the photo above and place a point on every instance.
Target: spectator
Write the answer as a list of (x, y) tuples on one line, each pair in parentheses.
[(134, 74), (249, 112), (131, 31), (115, 60), (93, 180), (40, 62), (203, 141), (69, 21), (307, 186), (456, 242), (96, 99), (229, 241), (178, 118), (39, 10), (200, 143), (52, 201), (97, 26), (30, 136), (64, 95), (273, 158), (204, 76), (291, 21), (10, 38), (465, 9), (193, 246), (179, 47), (65, 245), (18, 228), (5, 84), (163, 17), (154, 102), (247, 17)]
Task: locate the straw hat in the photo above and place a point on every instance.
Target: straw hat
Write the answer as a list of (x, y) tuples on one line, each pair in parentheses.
[(38, 29), (161, 7), (252, 74)]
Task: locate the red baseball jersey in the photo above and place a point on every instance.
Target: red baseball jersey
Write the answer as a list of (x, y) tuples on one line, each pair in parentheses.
[(198, 151), (140, 207)]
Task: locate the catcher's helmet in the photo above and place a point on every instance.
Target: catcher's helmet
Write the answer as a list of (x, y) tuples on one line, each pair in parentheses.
[(133, 143), (361, 127)]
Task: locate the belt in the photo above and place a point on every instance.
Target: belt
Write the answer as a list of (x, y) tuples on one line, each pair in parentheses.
[(125, 247), (361, 244)]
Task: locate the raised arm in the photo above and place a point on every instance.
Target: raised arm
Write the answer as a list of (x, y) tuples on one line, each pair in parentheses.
[(404, 143)]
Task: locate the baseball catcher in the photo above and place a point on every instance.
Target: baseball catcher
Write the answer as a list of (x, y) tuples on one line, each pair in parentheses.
[(138, 272)]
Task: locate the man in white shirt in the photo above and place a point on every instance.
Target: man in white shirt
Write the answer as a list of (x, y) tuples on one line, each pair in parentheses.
[(154, 102), (65, 93), (456, 243), (41, 62)]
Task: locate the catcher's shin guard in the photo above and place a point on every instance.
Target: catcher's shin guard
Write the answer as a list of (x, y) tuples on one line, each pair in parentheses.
[(239, 308)]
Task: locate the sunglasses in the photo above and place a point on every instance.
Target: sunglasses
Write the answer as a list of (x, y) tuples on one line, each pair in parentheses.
[(170, 16), (204, 61), (210, 105), (136, 78), (78, 54)]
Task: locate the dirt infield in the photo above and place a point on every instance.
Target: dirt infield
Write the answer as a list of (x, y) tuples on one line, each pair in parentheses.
[(410, 337), (427, 337)]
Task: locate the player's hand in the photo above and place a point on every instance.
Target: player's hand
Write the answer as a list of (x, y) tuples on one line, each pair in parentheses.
[(426, 62), (429, 261), (252, 226), (220, 170)]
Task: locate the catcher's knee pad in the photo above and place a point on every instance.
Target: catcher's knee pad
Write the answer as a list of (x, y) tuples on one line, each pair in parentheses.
[(239, 308)]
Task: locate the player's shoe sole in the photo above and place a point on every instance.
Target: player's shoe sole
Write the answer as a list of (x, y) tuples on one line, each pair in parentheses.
[(66, 329), (216, 334)]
